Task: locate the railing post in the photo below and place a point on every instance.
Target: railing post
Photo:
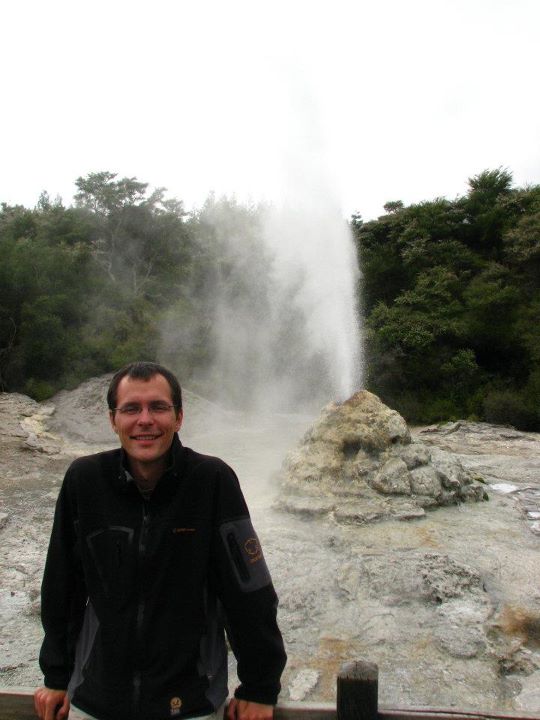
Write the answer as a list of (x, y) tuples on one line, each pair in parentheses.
[(357, 691)]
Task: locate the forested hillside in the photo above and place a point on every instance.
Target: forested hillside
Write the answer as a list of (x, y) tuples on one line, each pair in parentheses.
[(450, 292), (451, 296), (123, 274)]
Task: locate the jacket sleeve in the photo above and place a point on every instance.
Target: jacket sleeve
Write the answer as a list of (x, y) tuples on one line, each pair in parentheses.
[(63, 595), (247, 594)]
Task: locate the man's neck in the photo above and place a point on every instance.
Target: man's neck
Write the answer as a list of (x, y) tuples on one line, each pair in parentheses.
[(147, 475)]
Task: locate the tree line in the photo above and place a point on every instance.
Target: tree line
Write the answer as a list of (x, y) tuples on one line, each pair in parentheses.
[(451, 296), (450, 292), (122, 274)]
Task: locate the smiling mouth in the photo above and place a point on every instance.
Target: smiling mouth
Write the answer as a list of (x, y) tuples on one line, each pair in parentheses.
[(145, 437)]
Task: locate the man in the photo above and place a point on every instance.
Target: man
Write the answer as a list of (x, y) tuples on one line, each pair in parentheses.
[(152, 552)]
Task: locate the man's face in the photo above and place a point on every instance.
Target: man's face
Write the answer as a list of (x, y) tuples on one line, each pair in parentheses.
[(146, 437)]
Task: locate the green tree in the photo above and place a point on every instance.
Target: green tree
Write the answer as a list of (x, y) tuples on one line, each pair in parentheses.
[(43, 301), (452, 294), (139, 239), (487, 211)]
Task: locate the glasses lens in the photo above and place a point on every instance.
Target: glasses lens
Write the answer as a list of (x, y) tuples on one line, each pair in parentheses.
[(159, 407), (130, 409), (154, 408)]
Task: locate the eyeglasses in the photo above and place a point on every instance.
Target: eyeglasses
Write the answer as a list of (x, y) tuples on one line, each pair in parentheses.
[(154, 408)]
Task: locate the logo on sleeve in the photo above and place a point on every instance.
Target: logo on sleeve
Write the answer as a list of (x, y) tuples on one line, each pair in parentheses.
[(253, 549), (245, 554)]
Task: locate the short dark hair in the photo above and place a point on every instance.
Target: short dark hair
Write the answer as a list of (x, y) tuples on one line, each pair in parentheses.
[(144, 371)]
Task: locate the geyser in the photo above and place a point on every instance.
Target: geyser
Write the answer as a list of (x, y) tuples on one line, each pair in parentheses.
[(315, 265), (288, 332)]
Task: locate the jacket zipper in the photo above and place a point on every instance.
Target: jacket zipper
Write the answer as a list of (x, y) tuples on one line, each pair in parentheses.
[(140, 609)]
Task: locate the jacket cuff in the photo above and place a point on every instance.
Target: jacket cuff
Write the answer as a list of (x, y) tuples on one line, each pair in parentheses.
[(264, 695), (55, 682)]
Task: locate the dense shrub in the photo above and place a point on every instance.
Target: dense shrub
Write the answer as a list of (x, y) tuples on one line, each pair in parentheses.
[(507, 407)]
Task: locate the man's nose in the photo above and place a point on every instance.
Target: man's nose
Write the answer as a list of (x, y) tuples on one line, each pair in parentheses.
[(145, 416)]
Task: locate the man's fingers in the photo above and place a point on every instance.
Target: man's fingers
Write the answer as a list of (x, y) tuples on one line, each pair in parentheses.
[(64, 710), (37, 703), (50, 707), (247, 710), (231, 709), (47, 702)]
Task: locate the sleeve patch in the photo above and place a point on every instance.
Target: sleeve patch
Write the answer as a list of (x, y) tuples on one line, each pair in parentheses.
[(245, 554)]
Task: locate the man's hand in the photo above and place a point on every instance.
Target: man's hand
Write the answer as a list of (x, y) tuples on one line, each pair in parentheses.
[(247, 710), (51, 704)]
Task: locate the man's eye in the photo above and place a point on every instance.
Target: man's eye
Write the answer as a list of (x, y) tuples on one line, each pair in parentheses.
[(130, 409), (159, 407)]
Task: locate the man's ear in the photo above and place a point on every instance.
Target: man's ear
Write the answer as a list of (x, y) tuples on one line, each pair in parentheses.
[(179, 419), (111, 419)]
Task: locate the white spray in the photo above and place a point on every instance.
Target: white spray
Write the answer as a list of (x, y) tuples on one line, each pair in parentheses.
[(290, 339), (315, 269)]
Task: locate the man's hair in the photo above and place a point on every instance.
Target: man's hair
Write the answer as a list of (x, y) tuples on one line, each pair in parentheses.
[(144, 371)]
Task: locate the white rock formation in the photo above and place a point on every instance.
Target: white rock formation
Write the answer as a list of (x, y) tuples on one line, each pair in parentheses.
[(357, 462)]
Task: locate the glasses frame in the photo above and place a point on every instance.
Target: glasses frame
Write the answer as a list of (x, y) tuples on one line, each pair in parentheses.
[(135, 409)]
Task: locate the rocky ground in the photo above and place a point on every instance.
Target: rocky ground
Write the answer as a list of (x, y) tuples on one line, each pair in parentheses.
[(448, 604), (508, 459)]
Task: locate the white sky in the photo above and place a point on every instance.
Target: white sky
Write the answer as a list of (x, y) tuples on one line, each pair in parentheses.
[(399, 99)]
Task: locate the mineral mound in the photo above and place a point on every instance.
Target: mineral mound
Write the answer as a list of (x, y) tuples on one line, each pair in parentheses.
[(358, 464)]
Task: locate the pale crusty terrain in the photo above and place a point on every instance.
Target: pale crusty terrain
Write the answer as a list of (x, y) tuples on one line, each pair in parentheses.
[(447, 604)]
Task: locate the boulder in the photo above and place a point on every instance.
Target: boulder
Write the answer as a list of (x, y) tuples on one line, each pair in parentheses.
[(425, 481), (357, 463), (393, 478)]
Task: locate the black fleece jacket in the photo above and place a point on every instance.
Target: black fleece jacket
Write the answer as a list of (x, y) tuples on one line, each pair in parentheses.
[(136, 592)]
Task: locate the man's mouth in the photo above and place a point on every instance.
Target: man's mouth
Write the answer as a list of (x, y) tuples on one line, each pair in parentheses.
[(145, 437)]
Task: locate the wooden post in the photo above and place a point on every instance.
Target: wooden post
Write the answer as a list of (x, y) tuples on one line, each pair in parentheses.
[(357, 691), (17, 704)]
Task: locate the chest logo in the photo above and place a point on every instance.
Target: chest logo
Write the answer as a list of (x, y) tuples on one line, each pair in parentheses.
[(176, 706)]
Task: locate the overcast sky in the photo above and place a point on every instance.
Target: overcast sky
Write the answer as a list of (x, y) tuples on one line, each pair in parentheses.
[(395, 99)]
